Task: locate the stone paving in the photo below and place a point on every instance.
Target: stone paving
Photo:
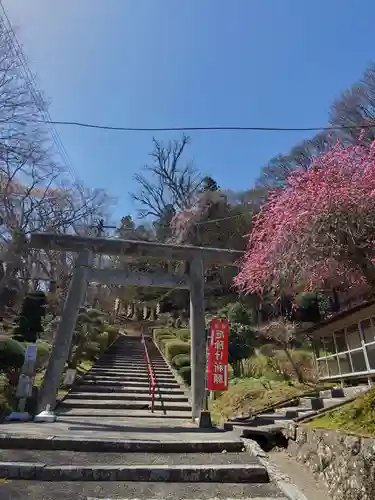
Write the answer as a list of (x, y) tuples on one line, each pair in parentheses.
[(106, 442)]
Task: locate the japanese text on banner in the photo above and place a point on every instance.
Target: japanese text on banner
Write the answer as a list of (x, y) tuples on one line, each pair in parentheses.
[(218, 356)]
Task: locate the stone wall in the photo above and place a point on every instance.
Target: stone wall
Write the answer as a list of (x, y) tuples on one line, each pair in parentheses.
[(345, 463)]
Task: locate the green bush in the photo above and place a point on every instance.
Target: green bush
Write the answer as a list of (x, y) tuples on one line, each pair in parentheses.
[(185, 374), (160, 333), (43, 351), (12, 353), (181, 360), (174, 347), (183, 334)]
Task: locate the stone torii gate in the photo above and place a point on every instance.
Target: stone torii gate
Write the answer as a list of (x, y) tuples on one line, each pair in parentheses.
[(195, 257)]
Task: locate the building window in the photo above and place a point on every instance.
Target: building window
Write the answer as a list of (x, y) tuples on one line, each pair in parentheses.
[(329, 345), (358, 360), (333, 367), (345, 365), (367, 327), (371, 355), (353, 337), (322, 368), (340, 341)]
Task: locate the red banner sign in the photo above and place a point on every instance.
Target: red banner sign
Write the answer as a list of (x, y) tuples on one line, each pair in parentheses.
[(217, 366)]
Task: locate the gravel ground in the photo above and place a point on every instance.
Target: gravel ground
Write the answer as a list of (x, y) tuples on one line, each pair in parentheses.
[(29, 490), (71, 458)]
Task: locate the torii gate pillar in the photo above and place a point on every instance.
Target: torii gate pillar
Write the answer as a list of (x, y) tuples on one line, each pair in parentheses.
[(198, 337)]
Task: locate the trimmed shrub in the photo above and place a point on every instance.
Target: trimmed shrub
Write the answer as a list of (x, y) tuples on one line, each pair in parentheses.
[(164, 341), (174, 347), (159, 333), (183, 334), (185, 374), (12, 353), (43, 351), (181, 360)]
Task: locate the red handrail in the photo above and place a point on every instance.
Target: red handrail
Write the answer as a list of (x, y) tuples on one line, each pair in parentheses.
[(151, 375)]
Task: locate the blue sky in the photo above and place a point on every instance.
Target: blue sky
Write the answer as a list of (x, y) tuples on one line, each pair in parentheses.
[(193, 62)]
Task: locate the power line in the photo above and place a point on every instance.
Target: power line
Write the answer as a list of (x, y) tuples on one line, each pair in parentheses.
[(35, 92), (213, 129)]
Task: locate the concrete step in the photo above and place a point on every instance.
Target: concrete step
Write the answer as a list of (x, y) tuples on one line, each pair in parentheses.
[(128, 367), (130, 375), (312, 403), (76, 490), (126, 396), (125, 380), (128, 458), (345, 392), (142, 384), (94, 388), (124, 405), (317, 404), (109, 413), (187, 473), (290, 412), (12, 446)]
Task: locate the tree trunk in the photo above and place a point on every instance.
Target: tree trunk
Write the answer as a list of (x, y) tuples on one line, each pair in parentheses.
[(295, 367)]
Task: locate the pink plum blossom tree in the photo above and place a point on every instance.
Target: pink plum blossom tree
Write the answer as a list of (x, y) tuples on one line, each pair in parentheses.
[(318, 229)]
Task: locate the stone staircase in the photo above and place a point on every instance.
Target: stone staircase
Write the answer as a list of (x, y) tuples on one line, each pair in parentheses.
[(276, 421), (118, 385), (107, 444)]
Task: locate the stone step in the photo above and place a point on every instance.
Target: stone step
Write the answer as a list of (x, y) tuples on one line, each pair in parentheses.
[(108, 413), (132, 368), (135, 375), (140, 384), (128, 458), (247, 429), (94, 388), (117, 490), (116, 365), (126, 396), (228, 473), (124, 405), (344, 392), (129, 379), (289, 412), (317, 404)]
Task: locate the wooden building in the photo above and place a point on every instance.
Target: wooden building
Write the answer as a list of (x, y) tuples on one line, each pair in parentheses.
[(345, 345)]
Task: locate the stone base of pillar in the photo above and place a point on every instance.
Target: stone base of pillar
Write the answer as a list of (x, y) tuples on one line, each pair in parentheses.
[(19, 416), (205, 420), (47, 416)]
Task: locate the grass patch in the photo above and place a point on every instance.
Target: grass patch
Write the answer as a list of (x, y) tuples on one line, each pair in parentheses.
[(250, 395), (357, 417)]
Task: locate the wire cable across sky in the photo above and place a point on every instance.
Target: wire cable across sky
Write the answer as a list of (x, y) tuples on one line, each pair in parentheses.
[(209, 128)]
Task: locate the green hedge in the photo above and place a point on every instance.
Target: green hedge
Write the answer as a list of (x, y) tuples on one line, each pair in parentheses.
[(12, 353), (185, 374), (160, 333), (183, 334), (174, 347), (43, 351), (164, 341), (181, 360)]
